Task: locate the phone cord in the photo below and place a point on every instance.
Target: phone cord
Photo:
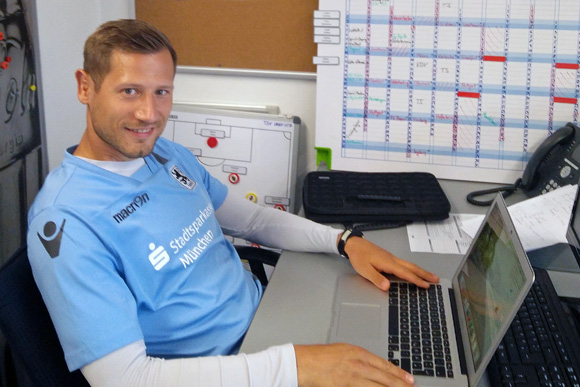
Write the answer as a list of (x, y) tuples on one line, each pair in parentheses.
[(506, 190)]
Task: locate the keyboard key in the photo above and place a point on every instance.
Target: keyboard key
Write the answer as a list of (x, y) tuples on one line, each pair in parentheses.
[(501, 356), (549, 355), (521, 379), (572, 376), (424, 372), (393, 321)]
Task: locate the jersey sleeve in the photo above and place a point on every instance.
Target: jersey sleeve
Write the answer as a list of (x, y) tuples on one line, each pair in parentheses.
[(81, 282)]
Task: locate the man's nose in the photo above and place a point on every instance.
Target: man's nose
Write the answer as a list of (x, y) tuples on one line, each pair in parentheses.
[(146, 109)]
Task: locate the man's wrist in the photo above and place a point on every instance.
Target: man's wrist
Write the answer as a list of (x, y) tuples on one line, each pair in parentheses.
[(346, 235)]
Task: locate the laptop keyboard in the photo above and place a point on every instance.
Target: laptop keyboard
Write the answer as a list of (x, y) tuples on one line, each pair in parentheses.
[(418, 335), (539, 349)]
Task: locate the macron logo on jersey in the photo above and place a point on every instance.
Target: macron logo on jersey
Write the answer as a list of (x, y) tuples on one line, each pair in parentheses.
[(158, 257), (52, 238), (182, 178)]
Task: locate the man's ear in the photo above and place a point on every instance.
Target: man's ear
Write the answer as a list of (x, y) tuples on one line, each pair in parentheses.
[(85, 86)]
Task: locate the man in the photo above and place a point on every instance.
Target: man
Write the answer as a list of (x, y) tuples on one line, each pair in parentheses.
[(108, 228)]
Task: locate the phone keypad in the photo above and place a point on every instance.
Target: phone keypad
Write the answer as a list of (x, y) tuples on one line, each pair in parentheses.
[(552, 185)]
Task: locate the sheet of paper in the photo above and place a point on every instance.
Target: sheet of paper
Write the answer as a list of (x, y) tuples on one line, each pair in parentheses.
[(540, 221), (444, 237)]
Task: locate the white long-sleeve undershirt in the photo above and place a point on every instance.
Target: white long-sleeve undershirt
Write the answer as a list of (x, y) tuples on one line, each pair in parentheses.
[(267, 226), (130, 366)]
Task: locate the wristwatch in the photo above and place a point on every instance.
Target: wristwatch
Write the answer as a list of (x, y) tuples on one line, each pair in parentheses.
[(346, 235)]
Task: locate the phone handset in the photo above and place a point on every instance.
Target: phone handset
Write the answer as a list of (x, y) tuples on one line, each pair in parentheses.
[(561, 137)]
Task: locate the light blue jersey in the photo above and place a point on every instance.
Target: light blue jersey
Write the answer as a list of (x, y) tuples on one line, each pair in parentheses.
[(118, 259)]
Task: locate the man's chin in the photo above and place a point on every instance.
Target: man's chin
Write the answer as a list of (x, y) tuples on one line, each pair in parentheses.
[(137, 153), (141, 149)]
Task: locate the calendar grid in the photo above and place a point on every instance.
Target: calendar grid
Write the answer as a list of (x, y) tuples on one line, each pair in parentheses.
[(457, 83)]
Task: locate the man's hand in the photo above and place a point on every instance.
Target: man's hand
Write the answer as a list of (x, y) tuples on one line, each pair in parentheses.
[(370, 260), (345, 365)]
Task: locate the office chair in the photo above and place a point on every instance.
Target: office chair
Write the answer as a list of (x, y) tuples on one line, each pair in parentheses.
[(257, 258), (33, 355), (29, 332)]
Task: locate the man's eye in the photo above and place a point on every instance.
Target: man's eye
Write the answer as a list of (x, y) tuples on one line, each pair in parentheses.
[(162, 92), (130, 91)]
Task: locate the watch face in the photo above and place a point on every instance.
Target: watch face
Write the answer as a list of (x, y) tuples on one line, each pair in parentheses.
[(345, 235)]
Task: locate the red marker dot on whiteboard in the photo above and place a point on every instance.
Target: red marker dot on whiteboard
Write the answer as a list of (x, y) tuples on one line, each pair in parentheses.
[(212, 142)]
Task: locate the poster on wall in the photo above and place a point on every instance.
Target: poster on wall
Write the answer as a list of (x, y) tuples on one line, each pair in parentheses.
[(19, 110), (20, 126)]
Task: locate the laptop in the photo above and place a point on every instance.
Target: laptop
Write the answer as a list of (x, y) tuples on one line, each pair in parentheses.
[(470, 312)]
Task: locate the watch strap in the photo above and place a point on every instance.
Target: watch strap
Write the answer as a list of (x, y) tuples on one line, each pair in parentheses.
[(346, 235)]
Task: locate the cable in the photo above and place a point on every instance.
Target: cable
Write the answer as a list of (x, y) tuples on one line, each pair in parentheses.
[(506, 191)]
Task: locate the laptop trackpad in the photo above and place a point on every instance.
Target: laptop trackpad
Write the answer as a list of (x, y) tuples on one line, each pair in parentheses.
[(359, 324)]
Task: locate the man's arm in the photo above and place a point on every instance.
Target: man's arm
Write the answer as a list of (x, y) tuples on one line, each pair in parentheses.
[(274, 228), (130, 366), (267, 226), (318, 365)]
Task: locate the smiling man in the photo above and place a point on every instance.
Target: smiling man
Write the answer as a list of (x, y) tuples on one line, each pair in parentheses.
[(126, 242)]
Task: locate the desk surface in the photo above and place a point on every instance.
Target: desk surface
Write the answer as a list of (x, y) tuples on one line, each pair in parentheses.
[(297, 304)]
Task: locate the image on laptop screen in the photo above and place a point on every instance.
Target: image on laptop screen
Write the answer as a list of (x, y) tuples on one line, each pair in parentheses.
[(490, 280)]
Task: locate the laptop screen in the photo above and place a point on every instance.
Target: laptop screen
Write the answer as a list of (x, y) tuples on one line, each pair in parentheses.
[(490, 282)]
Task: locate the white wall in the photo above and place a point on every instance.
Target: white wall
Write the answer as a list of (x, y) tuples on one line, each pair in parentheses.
[(65, 24), (293, 93)]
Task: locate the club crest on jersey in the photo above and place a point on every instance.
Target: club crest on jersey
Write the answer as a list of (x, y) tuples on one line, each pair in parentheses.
[(182, 178)]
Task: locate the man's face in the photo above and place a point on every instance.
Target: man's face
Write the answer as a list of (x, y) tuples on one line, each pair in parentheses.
[(130, 110)]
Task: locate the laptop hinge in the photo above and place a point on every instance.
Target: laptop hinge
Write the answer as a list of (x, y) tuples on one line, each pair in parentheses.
[(454, 312)]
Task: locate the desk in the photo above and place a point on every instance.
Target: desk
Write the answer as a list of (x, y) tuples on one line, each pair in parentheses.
[(297, 304)]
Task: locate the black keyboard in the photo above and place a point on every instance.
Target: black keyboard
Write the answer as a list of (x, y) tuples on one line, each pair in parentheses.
[(542, 346), (418, 334)]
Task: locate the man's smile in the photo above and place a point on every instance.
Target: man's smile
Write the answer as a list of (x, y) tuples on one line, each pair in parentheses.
[(141, 130)]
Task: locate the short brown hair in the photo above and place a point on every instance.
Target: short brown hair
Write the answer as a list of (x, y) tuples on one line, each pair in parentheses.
[(126, 35)]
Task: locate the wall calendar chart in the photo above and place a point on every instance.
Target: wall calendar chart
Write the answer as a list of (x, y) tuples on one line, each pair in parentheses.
[(464, 89)]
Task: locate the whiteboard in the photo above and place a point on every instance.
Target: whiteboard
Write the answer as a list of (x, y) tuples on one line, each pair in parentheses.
[(462, 89), (253, 154)]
